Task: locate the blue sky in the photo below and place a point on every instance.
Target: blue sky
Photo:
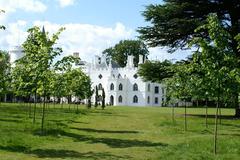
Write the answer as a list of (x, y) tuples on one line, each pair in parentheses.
[(95, 12), (91, 25)]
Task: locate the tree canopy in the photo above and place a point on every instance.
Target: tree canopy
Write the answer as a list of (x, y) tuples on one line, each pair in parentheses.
[(120, 51), (156, 71), (173, 22)]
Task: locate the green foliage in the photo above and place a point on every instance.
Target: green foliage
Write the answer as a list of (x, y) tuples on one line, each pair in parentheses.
[(217, 58), (5, 77), (173, 22), (156, 71), (120, 51), (77, 83)]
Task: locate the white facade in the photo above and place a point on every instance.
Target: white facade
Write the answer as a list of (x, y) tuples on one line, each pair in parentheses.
[(15, 53), (122, 86)]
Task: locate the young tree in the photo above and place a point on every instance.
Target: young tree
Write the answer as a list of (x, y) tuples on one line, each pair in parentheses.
[(219, 61), (5, 77), (63, 67), (124, 48), (39, 53)]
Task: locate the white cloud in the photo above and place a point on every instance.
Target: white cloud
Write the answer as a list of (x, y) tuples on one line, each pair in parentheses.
[(86, 39), (65, 3), (25, 5), (14, 35)]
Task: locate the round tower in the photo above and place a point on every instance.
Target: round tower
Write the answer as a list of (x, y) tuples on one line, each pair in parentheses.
[(15, 53)]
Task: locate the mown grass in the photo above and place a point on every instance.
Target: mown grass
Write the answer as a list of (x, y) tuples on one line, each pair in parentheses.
[(115, 133)]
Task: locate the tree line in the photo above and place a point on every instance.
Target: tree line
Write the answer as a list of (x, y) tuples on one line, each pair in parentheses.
[(41, 74)]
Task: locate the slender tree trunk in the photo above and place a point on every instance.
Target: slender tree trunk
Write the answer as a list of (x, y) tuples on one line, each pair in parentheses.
[(89, 104), (5, 98), (185, 115), (216, 119), (216, 128), (77, 107), (220, 114), (54, 102), (61, 102), (35, 107), (236, 106), (30, 109), (43, 114), (173, 116), (206, 116)]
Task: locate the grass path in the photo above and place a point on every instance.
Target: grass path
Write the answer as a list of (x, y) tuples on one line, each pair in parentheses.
[(116, 133)]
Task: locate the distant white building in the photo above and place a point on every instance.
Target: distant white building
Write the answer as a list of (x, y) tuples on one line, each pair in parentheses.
[(122, 86), (15, 53)]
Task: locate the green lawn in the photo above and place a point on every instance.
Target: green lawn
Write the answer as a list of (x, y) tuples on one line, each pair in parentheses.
[(115, 133)]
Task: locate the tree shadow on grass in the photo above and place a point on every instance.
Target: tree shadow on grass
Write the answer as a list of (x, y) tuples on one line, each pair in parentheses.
[(15, 148), (61, 153), (11, 120), (230, 134), (230, 117), (102, 131), (105, 113), (231, 125), (72, 121), (111, 142)]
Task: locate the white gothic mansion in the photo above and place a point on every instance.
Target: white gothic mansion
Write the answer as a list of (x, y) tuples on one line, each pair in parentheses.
[(123, 86)]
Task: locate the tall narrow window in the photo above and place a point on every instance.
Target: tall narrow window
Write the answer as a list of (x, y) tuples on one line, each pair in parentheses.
[(162, 90), (156, 100), (120, 99), (112, 87), (135, 99), (120, 87), (148, 99), (135, 87), (149, 88), (156, 91)]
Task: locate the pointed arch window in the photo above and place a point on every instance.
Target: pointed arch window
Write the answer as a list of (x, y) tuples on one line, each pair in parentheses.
[(100, 86), (120, 87), (120, 99), (135, 87), (119, 76), (112, 87), (135, 99)]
